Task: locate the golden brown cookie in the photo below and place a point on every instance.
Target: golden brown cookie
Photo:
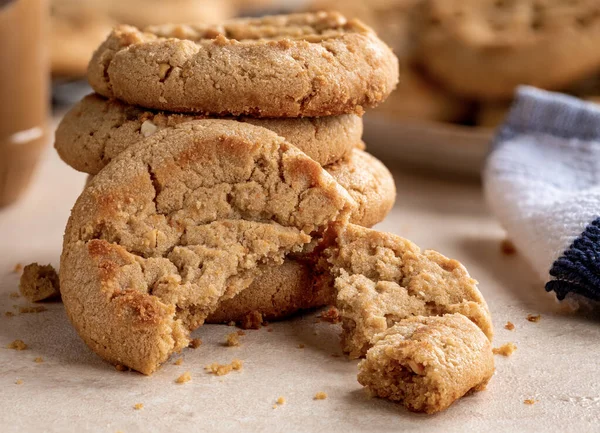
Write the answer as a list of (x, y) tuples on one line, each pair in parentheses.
[(180, 222), (97, 129), (370, 184), (279, 66), (427, 363), (279, 292), (382, 278), (483, 49)]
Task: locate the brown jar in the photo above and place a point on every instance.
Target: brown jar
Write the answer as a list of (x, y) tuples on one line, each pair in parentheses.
[(24, 82)]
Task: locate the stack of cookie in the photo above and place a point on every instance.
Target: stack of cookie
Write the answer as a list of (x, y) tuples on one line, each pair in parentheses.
[(304, 77)]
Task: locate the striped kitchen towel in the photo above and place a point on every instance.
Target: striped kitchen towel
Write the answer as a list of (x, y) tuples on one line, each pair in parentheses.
[(542, 181)]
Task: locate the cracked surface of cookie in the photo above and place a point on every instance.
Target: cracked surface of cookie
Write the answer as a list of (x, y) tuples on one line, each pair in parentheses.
[(97, 129), (427, 363), (485, 48), (180, 222), (381, 278), (370, 184), (313, 64)]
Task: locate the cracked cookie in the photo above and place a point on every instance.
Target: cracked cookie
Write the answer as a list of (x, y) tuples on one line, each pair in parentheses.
[(483, 49), (381, 278), (427, 363), (180, 222), (97, 129), (298, 65)]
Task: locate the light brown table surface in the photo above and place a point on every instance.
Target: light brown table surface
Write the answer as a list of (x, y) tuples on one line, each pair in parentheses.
[(557, 361)]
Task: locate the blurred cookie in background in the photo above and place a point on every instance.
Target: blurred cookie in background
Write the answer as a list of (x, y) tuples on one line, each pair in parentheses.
[(79, 26)]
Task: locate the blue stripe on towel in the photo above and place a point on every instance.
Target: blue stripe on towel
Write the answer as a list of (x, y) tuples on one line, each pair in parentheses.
[(578, 269)]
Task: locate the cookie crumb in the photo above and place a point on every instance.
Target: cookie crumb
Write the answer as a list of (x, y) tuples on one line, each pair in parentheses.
[(241, 333), (320, 396), (38, 360), (9, 314), (138, 406), (17, 345), (253, 320), (34, 309), (179, 361), (534, 317), (508, 248), (510, 326), (223, 369), (14, 295), (18, 268), (39, 283), (280, 401), (331, 315), (185, 377), (530, 401), (269, 329), (301, 346), (120, 367), (233, 339), (195, 343), (19, 382), (232, 323), (506, 349)]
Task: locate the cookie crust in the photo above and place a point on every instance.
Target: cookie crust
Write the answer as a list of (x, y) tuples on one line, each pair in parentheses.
[(312, 64), (180, 222), (96, 130)]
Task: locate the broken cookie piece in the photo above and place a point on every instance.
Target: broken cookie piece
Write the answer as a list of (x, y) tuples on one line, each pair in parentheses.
[(427, 363), (382, 278), (39, 283)]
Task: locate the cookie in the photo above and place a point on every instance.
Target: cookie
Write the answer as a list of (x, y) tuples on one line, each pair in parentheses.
[(180, 222), (279, 66), (382, 278), (427, 363), (97, 129), (370, 184), (483, 49), (279, 292)]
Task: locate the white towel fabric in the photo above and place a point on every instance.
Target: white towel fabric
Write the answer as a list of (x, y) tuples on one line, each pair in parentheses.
[(542, 181)]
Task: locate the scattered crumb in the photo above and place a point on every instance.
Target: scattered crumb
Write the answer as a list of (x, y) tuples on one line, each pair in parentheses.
[(331, 315), (508, 248), (233, 339), (34, 309), (179, 361), (17, 345), (320, 396), (510, 326), (253, 320), (195, 343), (39, 283), (534, 317), (19, 382), (18, 268), (138, 406), (241, 333), (14, 295), (301, 346), (185, 377), (120, 367), (232, 323), (223, 369), (9, 314), (280, 401), (506, 349), (530, 401), (39, 360), (270, 330)]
